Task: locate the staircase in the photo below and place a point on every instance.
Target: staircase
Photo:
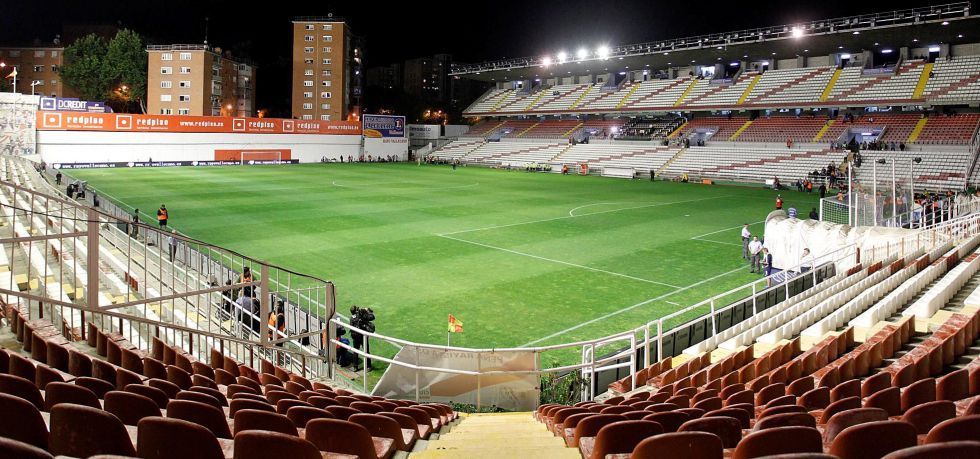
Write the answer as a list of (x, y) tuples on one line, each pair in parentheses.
[(740, 131), (653, 94), (830, 85), (748, 90), (917, 130), (787, 85), (582, 97), (687, 91), (628, 95), (823, 130), (494, 435), (671, 160), (923, 79)]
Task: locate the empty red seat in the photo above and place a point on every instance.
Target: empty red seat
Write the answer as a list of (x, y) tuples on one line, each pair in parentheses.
[(212, 392), (743, 416), (167, 387), (950, 450), (83, 431), (786, 420), (337, 436), (877, 382), (129, 407), (848, 418), (844, 404), (954, 386), (782, 409), (872, 440), (157, 395), (155, 440), (729, 430), (248, 404), (23, 388), (385, 427), (13, 448), (21, 420), (917, 393), (816, 399), (927, 415), (779, 440), (257, 444), (202, 414), (956, 429), (263, 420), (688, 445), (887, 399), (619, 438)]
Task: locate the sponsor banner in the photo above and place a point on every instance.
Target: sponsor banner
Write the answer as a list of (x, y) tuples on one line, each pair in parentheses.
[(120, 122), (380, 126), (73, 105), (424, 131), (111, 165), (515, 392)]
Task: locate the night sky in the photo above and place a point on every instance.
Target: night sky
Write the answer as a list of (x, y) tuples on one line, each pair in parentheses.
[(471, 31)]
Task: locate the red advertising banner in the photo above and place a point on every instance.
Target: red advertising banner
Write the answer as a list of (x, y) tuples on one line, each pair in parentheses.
[(123, 122)]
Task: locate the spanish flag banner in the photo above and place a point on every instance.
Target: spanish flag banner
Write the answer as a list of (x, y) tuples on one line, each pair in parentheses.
[(455, 325)]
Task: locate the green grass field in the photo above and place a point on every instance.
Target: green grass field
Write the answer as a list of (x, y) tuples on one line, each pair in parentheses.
[(522, 259)]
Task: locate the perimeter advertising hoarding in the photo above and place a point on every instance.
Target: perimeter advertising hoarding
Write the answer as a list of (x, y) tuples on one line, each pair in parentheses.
[(119, 122), (515, 392), (112, 165), (73, 105), (424, 131), (383, 126)]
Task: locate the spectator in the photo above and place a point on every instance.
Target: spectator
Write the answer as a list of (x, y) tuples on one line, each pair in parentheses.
[(57, 178), (767, 262), (247, 310), (806, 261), (813, 214), (755, 247), (823, 190), (746, 237), (172, 243), (779, 202), (134, 229)]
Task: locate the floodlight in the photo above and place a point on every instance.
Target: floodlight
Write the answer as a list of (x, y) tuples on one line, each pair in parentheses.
[(603, 52), (934, 49), (797, 32), (562, 57), (886, 51), (546, 61), (582, 53)]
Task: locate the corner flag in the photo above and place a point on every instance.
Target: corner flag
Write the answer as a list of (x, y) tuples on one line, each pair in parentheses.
[(455, 325)]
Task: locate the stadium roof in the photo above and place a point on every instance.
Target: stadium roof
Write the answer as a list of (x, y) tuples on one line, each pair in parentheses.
[(950, 23)]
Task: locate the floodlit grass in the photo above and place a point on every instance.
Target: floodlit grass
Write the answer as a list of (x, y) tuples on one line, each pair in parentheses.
[(521, 259)]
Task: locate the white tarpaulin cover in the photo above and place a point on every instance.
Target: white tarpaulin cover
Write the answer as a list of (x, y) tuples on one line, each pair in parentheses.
[(511, 392), (786, 238)]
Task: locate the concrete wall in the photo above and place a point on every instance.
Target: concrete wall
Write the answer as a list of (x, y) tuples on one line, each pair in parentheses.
[(75, 146)]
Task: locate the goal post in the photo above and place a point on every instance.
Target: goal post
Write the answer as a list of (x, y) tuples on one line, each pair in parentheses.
[(834, 211), (249, 157)]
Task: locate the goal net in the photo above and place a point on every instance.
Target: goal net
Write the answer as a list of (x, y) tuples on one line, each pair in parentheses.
[(262, 157)]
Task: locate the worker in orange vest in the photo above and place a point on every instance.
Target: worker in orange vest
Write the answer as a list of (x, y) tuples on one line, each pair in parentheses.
[(162, 216), (779, 202), (277, 322)]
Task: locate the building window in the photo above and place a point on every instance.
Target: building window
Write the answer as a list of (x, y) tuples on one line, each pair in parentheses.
[(327, 49), (327, 73), (15, 53), (165, 97), (308, 50), (166, 84), (38, 82), (307, 117), (325, 106), (307, 95), (309, 26), (54, 54), (308, 72), (328, 38), (39, 53), (308, 61), (166, 57), (328, 27), (324, 117), (308, 38), (185, 56), (307, 106), (326, 95), (166, 111), (185, 70), (185, 98), (326, 83), (54, 68), (185, 84), (166, 70), (308, 83), (327, 61), (38, 68), (183, 111)]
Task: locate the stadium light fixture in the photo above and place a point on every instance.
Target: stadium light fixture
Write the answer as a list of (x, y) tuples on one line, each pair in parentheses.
[(886, 51), (845, 56), (545, 61), (934, 49), (562, 57), (603, 52), (797, 32), (582, 53), (945, 23)]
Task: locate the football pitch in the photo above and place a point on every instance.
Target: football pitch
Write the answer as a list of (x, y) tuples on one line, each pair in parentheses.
[(522, 259)]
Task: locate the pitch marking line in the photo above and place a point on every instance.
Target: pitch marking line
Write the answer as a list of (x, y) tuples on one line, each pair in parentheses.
[(628, 308), (658, 204), (471, 185), (552, 260), (698, 237), (571, 213)]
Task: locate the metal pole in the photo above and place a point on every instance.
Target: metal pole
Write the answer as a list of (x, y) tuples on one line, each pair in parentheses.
[(850, 193), (874, 193), (894, 195), (912, 188), (92, 285)]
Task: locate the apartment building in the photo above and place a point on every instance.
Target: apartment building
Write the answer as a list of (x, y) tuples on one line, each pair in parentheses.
[(198, 80), (37, 64), (326, 76)]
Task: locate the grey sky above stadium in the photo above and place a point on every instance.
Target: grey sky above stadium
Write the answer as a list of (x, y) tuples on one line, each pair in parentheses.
[(472, 31)]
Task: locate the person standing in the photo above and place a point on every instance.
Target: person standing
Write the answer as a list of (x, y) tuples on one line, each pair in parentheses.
[(134, 229), (823, 191), (779, 202), (746, 237), (766, 262), (163, 215), (813, 214), (172, 243), (57, 178), (806, 261), (755, 247)]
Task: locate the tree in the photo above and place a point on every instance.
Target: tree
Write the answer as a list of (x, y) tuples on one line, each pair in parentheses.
[(126, 64), (84, 69)]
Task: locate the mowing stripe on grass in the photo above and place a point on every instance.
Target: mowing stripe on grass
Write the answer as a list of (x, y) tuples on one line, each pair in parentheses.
[(628, 308), (552, 260), (582, 215)]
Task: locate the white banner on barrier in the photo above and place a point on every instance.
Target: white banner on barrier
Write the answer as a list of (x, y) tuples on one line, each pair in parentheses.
[(510, 392)]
